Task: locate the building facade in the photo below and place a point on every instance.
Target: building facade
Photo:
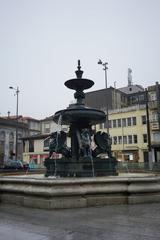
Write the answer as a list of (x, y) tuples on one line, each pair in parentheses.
[(154, 120), (109, 98), (132, 96), (36, 147), (8, 139), (26, 126), (128, 131)]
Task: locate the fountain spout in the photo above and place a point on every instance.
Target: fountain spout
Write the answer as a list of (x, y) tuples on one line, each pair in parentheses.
[(79, 72)]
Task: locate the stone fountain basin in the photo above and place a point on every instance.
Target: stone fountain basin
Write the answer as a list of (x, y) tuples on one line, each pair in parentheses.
[(58, 193), (79, 84), (79, 115)]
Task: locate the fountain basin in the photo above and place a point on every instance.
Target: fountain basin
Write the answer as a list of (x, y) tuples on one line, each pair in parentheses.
[(79, 83), (58, 193), (79, 115)]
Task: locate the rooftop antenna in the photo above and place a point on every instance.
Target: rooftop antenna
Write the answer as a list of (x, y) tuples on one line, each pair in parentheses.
[(130, 83)]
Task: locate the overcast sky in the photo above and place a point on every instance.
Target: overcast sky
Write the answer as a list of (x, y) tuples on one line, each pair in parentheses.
[(41, 41)]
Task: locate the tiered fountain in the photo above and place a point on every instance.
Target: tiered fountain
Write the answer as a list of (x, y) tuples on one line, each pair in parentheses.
[(80, 159)]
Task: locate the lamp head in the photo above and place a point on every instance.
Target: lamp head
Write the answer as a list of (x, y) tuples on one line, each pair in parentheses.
[(100, 61)]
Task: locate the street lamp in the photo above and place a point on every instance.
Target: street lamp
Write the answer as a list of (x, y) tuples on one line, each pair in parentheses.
[(16, 93), (104, 64), (148, 131)]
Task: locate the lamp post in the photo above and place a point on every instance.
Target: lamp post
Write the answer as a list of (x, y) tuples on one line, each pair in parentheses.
[(148, 132), (104, 64), (16, 93), (105, 68)]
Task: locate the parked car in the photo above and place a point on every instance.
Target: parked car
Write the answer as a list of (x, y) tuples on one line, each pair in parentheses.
[(13, 164)]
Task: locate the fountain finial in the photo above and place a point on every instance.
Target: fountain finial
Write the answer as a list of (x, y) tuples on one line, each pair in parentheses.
[(79, 72)]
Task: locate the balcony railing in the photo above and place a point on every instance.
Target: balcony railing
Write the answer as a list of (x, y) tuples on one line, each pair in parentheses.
[(155, 126)]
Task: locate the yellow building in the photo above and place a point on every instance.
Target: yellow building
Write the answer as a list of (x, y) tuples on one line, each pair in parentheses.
[(128, 131), (36, 147), (34, 151)]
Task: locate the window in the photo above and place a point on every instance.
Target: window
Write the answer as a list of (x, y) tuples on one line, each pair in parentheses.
[(20, 148), (106, 124), (31, 146), (152, 96), (2, 136), (119, 139), (145, 140), (46, 144), (154, 116), (114, 140), (156, 137), (47, 128), (141, 98), (134, 99), (129, 139), (128, 121), (114, 123), (144, 120), (123, 122), (11, 143), (119, 122), (124, 139), (110, 124), (2, 142), (101, 125), (134, 121), (135, 138)]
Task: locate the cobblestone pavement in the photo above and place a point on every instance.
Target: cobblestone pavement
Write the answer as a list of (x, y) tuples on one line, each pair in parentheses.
[(123, 222)]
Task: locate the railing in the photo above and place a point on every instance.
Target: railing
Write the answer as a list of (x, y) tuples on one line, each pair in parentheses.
[(138, 167), (122, 167)]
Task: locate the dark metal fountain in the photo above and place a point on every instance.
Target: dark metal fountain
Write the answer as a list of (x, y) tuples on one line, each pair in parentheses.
[(80, 159)]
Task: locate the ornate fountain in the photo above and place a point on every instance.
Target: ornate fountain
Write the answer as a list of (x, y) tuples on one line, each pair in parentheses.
[(80, 159)]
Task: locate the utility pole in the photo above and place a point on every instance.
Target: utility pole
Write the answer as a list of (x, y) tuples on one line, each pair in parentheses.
[(17, 102), (105, 68), (104, 64), (148, 132)]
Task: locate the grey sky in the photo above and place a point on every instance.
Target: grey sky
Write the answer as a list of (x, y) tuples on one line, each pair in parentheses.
[(41, 41)]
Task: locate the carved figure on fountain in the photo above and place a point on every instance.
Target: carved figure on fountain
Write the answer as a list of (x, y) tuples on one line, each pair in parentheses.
[(58, 144)]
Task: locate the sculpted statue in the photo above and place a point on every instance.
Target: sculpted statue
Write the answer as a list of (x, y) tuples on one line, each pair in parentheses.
[(103, 142), (58, 144), (84, 140)]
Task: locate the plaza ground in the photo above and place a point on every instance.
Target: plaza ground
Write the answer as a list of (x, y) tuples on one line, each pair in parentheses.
[(115, 222)]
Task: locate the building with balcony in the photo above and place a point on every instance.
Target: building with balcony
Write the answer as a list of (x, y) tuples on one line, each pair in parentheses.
[(154, 119), (128, 131)]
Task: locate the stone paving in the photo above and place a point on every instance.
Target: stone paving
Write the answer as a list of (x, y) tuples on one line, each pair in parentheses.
[(119, 222)]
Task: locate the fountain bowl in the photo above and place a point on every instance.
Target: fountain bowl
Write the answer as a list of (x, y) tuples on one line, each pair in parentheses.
[(80, 114)]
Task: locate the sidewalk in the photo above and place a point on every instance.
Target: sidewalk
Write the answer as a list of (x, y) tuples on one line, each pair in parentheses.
[(123, 222)]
